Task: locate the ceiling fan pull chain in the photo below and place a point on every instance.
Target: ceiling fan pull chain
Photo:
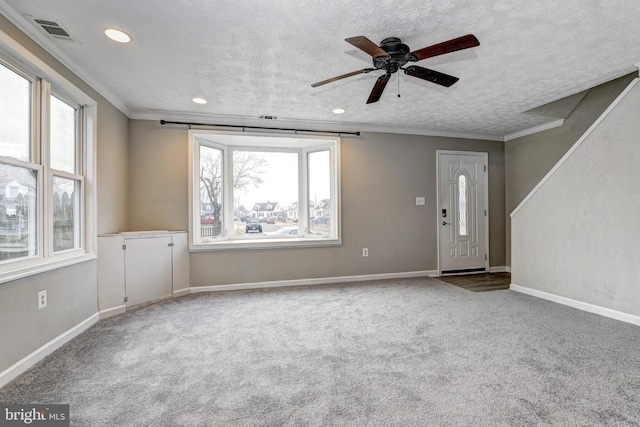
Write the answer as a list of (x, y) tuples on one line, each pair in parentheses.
[(398, 85)]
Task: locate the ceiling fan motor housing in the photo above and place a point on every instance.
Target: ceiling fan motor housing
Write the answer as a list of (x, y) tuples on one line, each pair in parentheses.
[(397, 55)]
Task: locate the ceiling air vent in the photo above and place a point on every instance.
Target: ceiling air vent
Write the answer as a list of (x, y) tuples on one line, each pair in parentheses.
[(54, 29)]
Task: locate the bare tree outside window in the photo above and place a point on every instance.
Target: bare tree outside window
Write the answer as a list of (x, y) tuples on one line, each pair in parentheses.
[(248, 168)]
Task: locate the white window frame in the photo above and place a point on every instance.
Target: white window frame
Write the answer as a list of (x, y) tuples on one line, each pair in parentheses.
[(45, 80), (53, 173), (228, 240)]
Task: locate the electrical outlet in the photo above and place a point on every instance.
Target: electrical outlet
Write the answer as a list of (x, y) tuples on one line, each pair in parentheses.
[(365, 252), (420, 201), (42, 299)]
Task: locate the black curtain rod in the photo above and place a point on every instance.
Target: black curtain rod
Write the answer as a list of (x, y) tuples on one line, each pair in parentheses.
[(167, 122)]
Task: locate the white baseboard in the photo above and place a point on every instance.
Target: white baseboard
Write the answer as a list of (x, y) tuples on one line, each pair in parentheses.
[(30, 360), (113, 311), (181, 292), (311, 282), (580, 305), (500, 269)]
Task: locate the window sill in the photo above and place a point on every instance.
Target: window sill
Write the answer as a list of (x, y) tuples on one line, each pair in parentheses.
[(262, 244), (38, 266)]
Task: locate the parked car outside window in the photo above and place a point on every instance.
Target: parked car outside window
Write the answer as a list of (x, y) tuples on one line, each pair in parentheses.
[(253, 224), (206, 219)]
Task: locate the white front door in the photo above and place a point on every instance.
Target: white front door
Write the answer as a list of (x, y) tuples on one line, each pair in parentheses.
[(462, 212)]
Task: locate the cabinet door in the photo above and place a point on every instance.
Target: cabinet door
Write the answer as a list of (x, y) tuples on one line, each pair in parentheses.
[(181, 266), (148, 269), (111, 290)]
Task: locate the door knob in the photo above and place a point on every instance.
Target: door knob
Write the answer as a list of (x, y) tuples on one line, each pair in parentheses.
[(445, 223)]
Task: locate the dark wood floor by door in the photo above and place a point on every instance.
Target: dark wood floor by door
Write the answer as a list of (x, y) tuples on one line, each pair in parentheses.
[(479, 282)]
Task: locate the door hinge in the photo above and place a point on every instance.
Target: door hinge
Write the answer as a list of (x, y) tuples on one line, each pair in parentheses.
[(485, 212), (124, 247), (126, 299), (485, 168), (485, 257)]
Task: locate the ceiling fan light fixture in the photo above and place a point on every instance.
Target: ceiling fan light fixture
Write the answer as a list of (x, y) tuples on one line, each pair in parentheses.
[(200, 101), (339, 110), (117, 35)]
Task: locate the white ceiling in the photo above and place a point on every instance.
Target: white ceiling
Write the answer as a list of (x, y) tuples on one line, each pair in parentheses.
[(251, 58)]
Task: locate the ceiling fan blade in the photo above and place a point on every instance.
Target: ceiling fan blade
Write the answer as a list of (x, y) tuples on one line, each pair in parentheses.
[(452, 45), (378, 88), (344, 76), (366, 45), (431, 75)]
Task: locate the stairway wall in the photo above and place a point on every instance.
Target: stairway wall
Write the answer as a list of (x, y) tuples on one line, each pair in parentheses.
[(577, 234)]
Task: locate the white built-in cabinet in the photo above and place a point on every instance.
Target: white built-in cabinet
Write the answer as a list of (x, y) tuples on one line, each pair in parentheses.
[(140, 267)]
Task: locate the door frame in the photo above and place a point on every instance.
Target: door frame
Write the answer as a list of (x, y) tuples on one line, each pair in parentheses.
[(485, 156)]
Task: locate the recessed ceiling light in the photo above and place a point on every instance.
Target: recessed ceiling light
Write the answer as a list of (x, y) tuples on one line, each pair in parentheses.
[(338, 110), (117, 35), (199, 100)]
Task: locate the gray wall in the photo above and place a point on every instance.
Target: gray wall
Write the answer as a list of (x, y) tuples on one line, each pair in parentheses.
[(158, 171), (530, 158), (71, 291), (577, 235), (71, 298), (381, 176)]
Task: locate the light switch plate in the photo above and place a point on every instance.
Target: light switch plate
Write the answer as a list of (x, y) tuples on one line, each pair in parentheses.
[(420, 201)]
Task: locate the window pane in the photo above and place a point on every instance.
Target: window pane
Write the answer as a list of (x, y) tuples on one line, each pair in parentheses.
[(18, 213), (66, 209), (15, 115), (462, 205), (210, 193), (63, 136), (265, 190), (320, 193)]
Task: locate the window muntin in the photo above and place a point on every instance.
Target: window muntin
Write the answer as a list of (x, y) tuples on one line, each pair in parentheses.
[(15, 115), (265, 185)]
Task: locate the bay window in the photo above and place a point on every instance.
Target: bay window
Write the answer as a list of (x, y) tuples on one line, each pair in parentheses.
[(263, 190)]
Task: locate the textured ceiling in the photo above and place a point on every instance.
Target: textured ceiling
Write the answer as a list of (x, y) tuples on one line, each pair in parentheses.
[(250, 58)]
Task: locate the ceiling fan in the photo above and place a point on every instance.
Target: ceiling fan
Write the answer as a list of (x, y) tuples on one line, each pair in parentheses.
[(392, 55)]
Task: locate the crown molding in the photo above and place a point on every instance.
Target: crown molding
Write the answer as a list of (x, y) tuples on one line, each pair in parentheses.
[(316, 125), (535, 129), (25, 25)]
